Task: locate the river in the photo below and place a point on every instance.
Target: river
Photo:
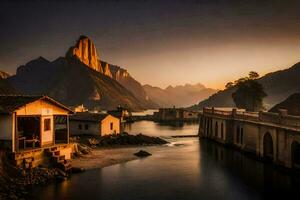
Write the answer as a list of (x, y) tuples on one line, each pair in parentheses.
[(189, 169)]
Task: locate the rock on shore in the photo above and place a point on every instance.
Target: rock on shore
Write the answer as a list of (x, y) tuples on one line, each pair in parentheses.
[(142, 154)]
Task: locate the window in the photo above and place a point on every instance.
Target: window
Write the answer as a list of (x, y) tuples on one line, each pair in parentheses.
[(79, 126), (111, 126), (47, 124), (86, 126)]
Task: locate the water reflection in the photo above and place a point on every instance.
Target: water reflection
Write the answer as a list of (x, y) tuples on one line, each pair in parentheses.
[(254, 176), (195, 170), (161, 129), (143, 113)]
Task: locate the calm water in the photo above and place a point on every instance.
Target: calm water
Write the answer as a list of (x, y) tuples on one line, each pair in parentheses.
[(194, 170), (162, 130), (143, 113)]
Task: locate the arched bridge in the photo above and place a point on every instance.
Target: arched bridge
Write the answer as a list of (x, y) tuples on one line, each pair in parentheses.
[(271, 136)]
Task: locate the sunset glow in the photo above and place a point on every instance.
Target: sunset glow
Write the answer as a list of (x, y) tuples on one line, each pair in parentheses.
[(161, 44)]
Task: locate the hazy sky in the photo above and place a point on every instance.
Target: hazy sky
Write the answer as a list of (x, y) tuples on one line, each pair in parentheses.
[(159, 42)]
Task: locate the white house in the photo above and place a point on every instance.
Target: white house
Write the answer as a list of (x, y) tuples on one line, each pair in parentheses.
[(94, 124)]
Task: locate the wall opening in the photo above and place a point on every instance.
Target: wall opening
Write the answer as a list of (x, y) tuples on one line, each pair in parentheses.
[(216, 129), (237, 134), (61, 129), (242, 135), (268, 147), (222, 131), (295, 154), (28, 132)]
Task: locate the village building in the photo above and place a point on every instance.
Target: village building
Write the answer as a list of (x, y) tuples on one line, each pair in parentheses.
[(94, 124), (80, 108), (121, 113), (175, 114), (31, 125)]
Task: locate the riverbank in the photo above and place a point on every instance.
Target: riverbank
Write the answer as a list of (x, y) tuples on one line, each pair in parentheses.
[(103, 157), (92, 152), (97, 152)]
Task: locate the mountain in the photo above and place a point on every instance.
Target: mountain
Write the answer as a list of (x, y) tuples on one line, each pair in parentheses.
[(79, 78), (278, 85), (85, 51), (3, 75), (291, 104), (179, 96), (5, 87)]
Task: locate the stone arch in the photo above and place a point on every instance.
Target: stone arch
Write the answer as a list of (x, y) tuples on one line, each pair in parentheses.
[(295, 154), (268, 147)]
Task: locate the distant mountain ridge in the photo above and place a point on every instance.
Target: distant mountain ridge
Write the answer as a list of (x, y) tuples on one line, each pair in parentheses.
[(278, 85), (179, 96), (78, 79)]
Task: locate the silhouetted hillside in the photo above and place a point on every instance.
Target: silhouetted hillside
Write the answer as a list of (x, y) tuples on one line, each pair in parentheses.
[(71, 82), (278, 85), (291, 104)]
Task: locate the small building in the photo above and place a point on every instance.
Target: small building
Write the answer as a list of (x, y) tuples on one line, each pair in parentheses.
[(175, 114), (32, 124), (94, 124), (80, 108), (121, 113)]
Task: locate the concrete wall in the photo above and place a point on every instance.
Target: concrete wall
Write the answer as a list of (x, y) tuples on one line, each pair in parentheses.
[(106, 125), (6, 127), (250, 141), (96, 128), (253, 134), (93, 128), (41, 107), (248, 136), (217, 129)]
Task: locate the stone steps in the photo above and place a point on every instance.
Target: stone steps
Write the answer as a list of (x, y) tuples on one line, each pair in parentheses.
[(58, 160)]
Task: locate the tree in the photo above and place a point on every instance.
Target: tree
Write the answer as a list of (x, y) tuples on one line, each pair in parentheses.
[(249, 95), (229, 85), (240, 80), (253, 75)]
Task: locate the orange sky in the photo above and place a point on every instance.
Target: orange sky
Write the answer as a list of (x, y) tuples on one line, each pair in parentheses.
[(161, 43)]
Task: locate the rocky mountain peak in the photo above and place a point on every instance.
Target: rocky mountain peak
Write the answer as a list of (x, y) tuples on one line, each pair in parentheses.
[(4, 75), (85, 50)]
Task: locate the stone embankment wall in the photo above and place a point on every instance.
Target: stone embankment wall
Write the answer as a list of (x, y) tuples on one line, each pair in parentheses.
[(272, 136)]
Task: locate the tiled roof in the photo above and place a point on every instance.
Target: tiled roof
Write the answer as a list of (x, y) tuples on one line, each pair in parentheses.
[(90, 117), (10, 103)]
